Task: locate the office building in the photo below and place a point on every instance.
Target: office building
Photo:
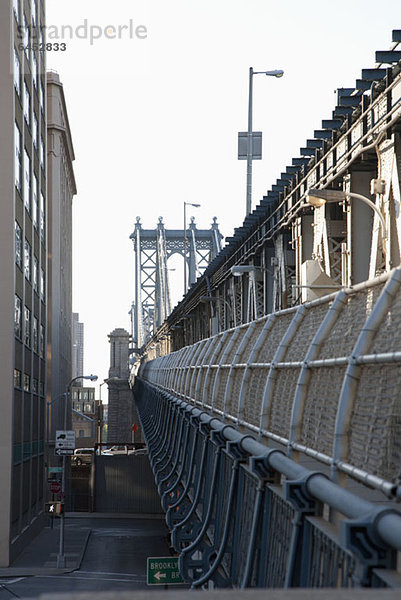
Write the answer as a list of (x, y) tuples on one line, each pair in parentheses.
[(77, 347), (61, 190), (23, 268)]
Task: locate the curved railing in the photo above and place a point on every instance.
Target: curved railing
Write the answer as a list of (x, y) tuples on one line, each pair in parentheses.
[(322, 378)]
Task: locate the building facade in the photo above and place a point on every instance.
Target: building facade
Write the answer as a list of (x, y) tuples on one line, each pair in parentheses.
[(77, 346), (61, 190), (23, 268), (122, 414)]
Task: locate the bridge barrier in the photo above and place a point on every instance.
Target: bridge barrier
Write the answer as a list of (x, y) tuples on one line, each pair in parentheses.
[(245, 515), (322, 379)]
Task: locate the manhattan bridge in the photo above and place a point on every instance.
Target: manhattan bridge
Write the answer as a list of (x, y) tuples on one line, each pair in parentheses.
[(269, 397)]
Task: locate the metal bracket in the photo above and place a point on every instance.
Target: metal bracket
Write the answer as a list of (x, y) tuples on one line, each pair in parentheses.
[(360, 537), (296, 492), (218, 438), (259, 465), (236, 451)]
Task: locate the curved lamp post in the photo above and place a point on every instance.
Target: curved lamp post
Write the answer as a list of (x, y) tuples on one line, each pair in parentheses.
[(317, 198), (60, 556), (249, 155)]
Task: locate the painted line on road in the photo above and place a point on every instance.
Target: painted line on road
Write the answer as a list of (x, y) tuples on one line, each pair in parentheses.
[(73, 576), (107, 573)]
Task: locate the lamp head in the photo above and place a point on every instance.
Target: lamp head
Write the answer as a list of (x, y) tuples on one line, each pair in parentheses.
[(317, 198)]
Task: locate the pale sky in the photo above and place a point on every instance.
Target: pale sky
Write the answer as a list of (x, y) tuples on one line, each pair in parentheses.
[(154, 121)]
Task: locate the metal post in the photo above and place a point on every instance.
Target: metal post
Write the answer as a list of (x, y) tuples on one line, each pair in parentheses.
[(61, 556), (249, 148), (185, 248)]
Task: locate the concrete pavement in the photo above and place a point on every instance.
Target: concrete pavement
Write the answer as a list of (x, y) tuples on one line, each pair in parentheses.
[(104, 552)]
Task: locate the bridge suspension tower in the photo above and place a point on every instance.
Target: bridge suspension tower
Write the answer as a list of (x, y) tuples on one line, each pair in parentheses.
[(153, 248)]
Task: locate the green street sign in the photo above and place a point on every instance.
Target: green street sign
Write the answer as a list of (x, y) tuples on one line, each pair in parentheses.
[(163, 570)]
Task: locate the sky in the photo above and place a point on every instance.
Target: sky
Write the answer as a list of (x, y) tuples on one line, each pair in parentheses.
[(156, 97)]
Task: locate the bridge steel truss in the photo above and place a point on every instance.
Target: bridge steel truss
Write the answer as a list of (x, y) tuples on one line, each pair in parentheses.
[(319, 383), (153, 248), (284, 239)]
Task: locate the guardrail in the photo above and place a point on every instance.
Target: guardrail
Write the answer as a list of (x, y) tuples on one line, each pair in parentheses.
[(322, 379), (245, 515)]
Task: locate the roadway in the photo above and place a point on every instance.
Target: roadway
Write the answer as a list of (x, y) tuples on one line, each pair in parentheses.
[(103, 552)]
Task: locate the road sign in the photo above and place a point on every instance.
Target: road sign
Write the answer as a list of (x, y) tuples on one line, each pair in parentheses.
[(65, 439), (55, 469), (134, 427), (63, 452), (55, 487), (256, 145), (163, 570)]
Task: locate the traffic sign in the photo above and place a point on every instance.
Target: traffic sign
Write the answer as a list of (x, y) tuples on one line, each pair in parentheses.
[(55, 487), (55, 469), (63, 452), (163, 570), (65, 439)]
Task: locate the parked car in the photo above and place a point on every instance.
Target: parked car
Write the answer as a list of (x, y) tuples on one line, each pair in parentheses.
[(82, 456), (119, 449)]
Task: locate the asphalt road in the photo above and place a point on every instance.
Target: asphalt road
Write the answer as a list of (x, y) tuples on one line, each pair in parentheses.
[(114, 560)]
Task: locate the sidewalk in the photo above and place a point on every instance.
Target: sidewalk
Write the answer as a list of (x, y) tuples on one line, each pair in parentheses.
[(40, 556)]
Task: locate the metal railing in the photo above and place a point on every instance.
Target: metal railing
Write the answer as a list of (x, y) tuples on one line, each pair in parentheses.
[(245, 515), (322, 379)]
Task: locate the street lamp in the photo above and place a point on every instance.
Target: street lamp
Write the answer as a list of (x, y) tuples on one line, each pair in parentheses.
[(185, 241), (249, 155), (61, 556), (239, 270), (317, 198)]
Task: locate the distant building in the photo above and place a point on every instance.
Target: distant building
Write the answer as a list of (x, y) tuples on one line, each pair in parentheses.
[(61, 190), (121, 411), (23, 269), (77, 346), (84, 416)]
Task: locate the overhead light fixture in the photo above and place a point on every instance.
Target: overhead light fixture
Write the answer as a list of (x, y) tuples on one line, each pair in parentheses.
[(317, 198)]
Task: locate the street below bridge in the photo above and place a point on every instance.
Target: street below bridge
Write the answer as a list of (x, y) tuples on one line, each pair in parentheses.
[(104, 553)]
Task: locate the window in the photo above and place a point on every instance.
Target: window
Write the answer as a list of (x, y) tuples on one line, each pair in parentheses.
[(34, 71), (16, 9), (35, 201), (33, 12), (42, 342), (18, 162), (27, 326), (41, 388), (42, 153), (35, 386), (27, 260), (18, 317), (81, 433), (42, 217), (89, 407), (27, 382), (35, 273), (42, 284), (27, 181), (18, 245), (35, 130), (35, 335), (41, 96), (17, 378), (27, 105), (26, 38), (17, 73)]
